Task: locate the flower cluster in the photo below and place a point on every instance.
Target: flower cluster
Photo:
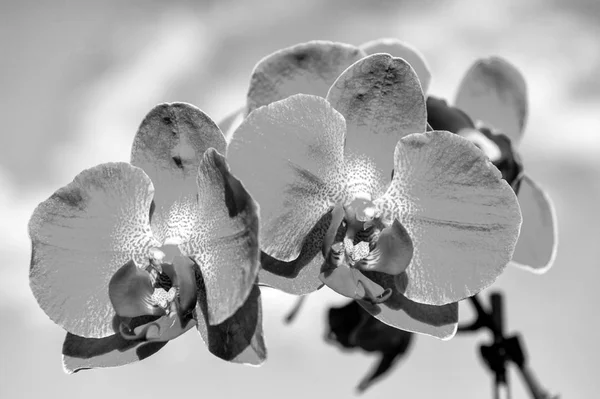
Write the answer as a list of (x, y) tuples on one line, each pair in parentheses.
[(336, 146)]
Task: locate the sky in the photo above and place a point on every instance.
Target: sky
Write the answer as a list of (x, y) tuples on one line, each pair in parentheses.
[(77, 77)]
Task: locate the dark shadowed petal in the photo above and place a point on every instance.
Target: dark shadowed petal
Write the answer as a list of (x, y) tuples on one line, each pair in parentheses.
[(88, 353), (232, 122), (494, 91), (168, 146), (238, 339), (130, 291), (225, 240), (288, 155), (463, 218), (308, 68), (536, 248), (393, 251), (81, 236), (397, 48), (381, 99), (400, 312), (442, 116)]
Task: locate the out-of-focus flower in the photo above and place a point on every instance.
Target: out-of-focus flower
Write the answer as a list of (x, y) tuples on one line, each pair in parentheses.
[(408, 249), (130, 256), (351, 326), (491, 110)]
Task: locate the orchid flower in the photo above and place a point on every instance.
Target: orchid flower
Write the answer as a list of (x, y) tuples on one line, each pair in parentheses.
[(491, 110), (130, 256), (407, 247)]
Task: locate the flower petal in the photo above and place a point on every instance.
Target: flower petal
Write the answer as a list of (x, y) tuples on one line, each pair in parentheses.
[(232, 122), (397, 48), (87, 353), (130, 290), (288, 155), (463, 218), (400, 312), (494, 92), (393, 251), (442, 116), (536, 248), (169, 146), (225, 240), (381, 99), (308, 68), (81, 236), (238, 339), (300, 276), (350, 283)]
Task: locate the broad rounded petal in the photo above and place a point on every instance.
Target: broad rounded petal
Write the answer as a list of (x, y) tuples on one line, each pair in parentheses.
[(238, 339), (169, 146), (400, 312), (536, 248), (393, 252), (232, 122), (308, 68), (463, 218), (493, 91), (288, 155), (381, 99), (81, 236), (300, 276), (397, 48), (225, 240), (89, 353)]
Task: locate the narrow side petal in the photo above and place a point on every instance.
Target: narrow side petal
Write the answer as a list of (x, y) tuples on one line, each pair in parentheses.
[(239, 339), (169, 146), (463, 218), (536, 248), (308, 68), (288, 155), (397, 48), (80, 353), (225, 240), (81, 236), (400, 312), (493, 91), (381, 99)]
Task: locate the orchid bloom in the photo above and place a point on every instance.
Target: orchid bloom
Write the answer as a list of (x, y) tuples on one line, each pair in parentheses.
[(491, 110), (130, 256), (407, 247)]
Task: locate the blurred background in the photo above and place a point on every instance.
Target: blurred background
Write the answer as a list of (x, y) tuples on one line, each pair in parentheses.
[(77, 77)]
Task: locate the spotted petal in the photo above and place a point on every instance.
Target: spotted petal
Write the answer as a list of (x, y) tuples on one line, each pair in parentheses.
[(493, 91), (81, 236), (238, 339), (381, 99), (225, 240), (88, 353), (397, 48), (463, 218), (536, 248), (288, 155), (169, 146), (400, 312), (308, 68)]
